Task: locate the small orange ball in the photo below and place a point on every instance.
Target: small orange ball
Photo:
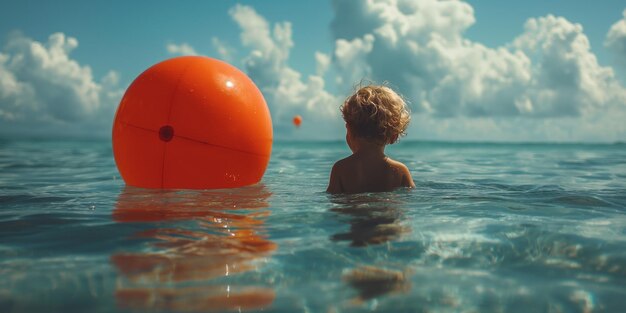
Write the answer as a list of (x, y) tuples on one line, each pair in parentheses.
[(192, 123), (297, 120)]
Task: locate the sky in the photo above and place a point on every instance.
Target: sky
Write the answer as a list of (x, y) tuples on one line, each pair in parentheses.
[(518, 71)]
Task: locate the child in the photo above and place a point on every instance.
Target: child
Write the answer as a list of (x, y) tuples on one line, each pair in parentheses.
[(375, 117)]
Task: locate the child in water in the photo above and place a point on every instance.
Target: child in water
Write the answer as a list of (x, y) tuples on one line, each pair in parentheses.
[(375, 117)]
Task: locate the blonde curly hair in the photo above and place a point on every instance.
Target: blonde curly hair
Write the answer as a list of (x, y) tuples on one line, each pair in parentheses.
[(376, 113)]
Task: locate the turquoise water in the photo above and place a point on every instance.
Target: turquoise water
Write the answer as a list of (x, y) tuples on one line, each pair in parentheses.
[(489, 228)]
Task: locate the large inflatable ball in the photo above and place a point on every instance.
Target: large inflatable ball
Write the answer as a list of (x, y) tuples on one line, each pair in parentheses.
[(192, 123)]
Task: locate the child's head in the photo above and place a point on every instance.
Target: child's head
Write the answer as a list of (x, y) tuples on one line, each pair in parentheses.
[(377, 114)]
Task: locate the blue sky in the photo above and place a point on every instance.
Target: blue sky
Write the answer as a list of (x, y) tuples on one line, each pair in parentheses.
[(476, 70)]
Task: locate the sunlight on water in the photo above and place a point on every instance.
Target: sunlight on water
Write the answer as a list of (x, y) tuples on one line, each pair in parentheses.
[(489, 228)]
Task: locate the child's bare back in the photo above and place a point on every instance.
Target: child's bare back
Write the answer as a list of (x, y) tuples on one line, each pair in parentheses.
[(375, 116), (362, 174)]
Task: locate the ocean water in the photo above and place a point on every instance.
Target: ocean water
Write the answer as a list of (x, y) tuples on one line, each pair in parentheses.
[(489, 228)]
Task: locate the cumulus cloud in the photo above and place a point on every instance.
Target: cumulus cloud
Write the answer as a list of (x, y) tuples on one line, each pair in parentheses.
[(286, 91), (224, 51), (45, 92), (547, 71), (545, 84), (545, 78), (322, 61), (603, 126), (616, 40), (181, 49)]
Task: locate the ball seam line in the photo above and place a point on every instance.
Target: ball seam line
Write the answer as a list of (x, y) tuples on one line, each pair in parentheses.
[(204, 142)]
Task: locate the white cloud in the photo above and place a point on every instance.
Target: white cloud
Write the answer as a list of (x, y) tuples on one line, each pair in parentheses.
[(350, 59), (566, 78), (546, 76), (45, 92), (286, 92), (181, 49), (599, 126), (616, 40), (269, 50), (322, 62), (545, 84), (548, 71), (224, 51)]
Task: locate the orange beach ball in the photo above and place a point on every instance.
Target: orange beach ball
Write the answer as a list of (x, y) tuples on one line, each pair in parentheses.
[(192, 123), (297, 120)]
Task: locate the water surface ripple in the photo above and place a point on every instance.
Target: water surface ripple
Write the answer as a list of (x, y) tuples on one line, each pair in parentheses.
[(489, 228)]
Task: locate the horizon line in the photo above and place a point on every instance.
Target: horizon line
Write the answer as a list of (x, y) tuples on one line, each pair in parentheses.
[(292, 140)]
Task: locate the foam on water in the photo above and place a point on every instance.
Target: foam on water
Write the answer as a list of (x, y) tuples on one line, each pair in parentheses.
[(489, 228)]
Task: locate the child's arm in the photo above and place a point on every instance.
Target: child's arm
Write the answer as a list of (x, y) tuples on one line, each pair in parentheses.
[(334, 185), (407, 180)]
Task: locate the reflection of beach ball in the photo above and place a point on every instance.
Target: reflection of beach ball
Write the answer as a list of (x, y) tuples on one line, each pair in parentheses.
[(297, 120), (192, 122)]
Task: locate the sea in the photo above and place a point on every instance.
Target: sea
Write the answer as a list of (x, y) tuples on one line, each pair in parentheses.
[(490, 227)]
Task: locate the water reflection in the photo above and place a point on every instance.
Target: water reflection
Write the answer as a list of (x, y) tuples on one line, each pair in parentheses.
[(374, 219), (371, 282), (199, 240)]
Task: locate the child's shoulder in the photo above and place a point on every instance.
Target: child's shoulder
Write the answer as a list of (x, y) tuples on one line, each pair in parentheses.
[(337, 175), (398, 167), (344, 163), (396, 164), (402, 171)]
